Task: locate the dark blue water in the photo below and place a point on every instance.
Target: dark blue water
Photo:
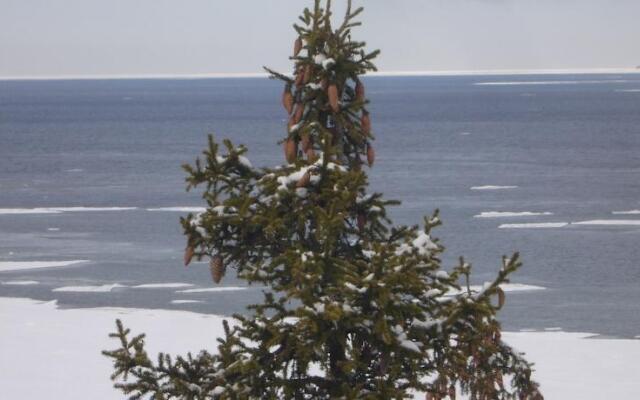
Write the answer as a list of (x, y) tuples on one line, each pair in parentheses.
[(571, 148)]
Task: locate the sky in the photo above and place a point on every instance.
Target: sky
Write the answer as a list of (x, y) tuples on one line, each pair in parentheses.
[(47, 38)]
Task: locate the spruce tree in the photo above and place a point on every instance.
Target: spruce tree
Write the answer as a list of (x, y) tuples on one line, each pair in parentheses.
[(354, 307)]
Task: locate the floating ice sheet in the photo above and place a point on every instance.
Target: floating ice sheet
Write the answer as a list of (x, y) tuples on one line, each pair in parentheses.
[(24, 265), (89, 289), (492, 187), (506, 214), (534, 225)]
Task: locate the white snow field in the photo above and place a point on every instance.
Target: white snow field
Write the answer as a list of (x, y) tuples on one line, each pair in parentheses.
[(50, 353)]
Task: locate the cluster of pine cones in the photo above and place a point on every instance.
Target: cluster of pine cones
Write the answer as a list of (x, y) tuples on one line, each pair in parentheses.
[(295, 110)]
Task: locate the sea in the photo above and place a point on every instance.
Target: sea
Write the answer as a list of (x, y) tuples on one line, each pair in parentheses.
[(91, 186)]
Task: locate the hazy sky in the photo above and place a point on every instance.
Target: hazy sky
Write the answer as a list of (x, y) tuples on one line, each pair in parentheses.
[(104, 37)]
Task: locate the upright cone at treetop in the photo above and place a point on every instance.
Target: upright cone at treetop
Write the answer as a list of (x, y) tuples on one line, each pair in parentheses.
[(353, 306)]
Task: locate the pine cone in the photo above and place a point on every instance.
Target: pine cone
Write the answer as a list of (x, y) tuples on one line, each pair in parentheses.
[(452, 392), (362, 221), (371, 155), (217, 268), (304, 181), (287, 99), (501, 298), (297, 46), (290, 150), (305, 142), (359, 90), (357, 163), (308, 72), (311, 155), (188, 255), (299, 110), (299, 76), (365, 123), (332, 93)]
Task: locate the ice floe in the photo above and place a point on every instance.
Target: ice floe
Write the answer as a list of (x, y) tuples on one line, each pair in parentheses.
[(504, 214), (612, 222), (534, 225), (179, 209), (89, 289), (186, 301), (506, 287), (91, 209), (215, 289), (629, 212), (565, 82), (18, 211), (23, 265), (59, 210), (20, 283), (492, 187), (162, 286)]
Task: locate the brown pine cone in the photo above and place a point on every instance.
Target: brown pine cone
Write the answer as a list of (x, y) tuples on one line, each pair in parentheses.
[(287, 99), (371, 155), (290, 150), (188, 255), (359, 90), (332, 93), (217, 268), (365, 123)]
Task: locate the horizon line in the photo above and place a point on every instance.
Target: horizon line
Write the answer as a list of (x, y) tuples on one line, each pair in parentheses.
[(242, 75)]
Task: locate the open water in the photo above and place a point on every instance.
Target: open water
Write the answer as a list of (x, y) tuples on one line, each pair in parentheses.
[(568, 145)]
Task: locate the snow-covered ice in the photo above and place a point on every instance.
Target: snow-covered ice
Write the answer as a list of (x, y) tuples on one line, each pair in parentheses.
[(534, 225), (492, 187), (12, 211), (566, 82), (92, 209), (20, 283), (59, 210), (24, 265), (620, 222), (67, 344), (89, 289), (507, 214), (179, 209), (506, 287), (162, 286), (186, 301), (214, 289), (629, 212)]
